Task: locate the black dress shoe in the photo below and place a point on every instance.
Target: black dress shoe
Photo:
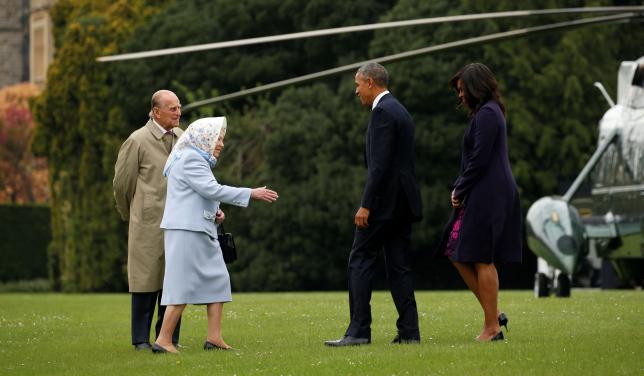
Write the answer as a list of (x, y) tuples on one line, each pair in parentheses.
[(142, 346), (211, 346), (348, 341), (405, 341)]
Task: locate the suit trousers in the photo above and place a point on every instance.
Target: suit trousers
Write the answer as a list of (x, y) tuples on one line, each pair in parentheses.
[(143, 304), (395, 237)]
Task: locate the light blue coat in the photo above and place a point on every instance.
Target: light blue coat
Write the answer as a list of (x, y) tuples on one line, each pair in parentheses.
[(194, 195)]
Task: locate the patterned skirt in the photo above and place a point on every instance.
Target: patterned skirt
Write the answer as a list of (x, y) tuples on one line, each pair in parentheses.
[(453, 235)]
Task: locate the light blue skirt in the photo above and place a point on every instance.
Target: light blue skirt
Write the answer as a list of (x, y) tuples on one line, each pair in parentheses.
[(195, 272)]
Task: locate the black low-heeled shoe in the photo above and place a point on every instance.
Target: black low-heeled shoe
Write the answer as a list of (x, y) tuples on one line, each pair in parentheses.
[(156, 349), (211, 346), (503, 320)]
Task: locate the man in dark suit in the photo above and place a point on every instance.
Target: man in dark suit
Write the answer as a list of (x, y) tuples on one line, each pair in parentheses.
[(390, 203)]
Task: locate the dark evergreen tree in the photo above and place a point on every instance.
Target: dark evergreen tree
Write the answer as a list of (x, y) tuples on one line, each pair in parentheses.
[(306, 142), (86, 252)]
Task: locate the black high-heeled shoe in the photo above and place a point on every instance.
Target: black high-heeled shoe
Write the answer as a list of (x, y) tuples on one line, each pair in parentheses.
[(212, 346), (498, 337), (157, 349), (503, 321)]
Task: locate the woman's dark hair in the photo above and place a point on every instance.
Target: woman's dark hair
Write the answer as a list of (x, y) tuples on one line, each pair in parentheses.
[(479, 86)]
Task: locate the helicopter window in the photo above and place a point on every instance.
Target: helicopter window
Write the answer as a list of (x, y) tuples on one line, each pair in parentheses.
[(612, 169), (638, 77)]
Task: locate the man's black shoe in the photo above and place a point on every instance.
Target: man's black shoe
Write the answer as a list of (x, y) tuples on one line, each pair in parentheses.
[(348, 341), (142, 346), (405, 341)]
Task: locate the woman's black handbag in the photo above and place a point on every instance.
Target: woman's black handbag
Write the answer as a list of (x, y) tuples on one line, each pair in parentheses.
[(227, 244)]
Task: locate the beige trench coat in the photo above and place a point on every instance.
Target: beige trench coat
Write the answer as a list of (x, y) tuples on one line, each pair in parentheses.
[(139, 190)]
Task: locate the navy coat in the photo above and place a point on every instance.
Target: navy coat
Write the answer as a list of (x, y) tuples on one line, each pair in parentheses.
[(391, 190), (491, 227)]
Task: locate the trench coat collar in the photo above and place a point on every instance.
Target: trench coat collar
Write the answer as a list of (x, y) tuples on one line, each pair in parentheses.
[(154, 129)]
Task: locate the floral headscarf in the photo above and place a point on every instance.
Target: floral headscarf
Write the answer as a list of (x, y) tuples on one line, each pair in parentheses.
[(201, 135)]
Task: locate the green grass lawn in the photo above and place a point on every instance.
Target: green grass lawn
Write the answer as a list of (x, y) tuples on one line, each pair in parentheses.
[(591, 333)]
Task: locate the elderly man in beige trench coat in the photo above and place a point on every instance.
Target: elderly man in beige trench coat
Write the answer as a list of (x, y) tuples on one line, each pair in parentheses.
[(139, 190)]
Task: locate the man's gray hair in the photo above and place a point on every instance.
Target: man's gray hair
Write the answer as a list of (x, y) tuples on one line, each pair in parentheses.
[(155, 101), (376, 72)]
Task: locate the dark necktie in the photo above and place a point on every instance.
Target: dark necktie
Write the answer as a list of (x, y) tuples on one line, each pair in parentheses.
[(167, 140)]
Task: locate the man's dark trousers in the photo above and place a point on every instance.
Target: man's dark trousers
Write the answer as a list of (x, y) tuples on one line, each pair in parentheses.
[(394, 236), (143, 304)]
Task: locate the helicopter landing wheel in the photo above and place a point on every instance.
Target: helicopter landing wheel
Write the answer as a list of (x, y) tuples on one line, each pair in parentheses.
[(541, 288), (563, 286)]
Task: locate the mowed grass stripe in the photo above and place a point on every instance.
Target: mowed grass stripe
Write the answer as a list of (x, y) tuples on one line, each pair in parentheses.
[(591, 333)]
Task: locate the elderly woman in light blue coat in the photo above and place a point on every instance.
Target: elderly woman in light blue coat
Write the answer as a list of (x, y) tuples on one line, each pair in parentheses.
[(195, 272)]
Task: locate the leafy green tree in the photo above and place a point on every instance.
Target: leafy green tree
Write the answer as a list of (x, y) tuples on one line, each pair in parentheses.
[(546, 80), (306, 142), (87, 250), (314, 160), (228, 70)]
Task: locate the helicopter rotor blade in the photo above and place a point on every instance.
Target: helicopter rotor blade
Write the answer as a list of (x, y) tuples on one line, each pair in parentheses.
[(376, 26), (408, 54)]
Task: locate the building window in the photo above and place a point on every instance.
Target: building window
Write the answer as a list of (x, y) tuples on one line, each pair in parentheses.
[(41, 49)]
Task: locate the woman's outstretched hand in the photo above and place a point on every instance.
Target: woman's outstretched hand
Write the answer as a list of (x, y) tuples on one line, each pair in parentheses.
[(264, 194)]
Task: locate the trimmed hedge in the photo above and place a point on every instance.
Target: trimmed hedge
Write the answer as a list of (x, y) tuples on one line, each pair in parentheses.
[(25, 234)]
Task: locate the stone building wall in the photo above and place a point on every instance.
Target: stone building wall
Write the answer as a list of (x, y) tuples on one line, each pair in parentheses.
[(14, 42)]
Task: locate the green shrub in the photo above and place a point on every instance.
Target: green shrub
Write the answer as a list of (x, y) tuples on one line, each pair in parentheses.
[(25, 234), (33, 285)]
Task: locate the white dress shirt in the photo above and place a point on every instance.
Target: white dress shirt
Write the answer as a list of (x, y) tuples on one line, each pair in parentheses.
[(163, 130), (375, 101)]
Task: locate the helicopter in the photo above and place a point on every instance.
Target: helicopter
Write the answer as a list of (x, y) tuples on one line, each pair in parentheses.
[(609, 225), (557, 232)]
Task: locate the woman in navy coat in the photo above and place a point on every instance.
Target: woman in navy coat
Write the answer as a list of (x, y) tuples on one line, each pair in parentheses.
[(485, 225), (195, 272)]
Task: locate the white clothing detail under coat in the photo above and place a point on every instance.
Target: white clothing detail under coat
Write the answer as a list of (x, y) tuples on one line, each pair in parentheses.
[(195, 270)]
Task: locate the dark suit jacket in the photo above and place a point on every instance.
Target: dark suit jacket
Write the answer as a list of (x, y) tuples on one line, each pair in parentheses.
[(391, 190)]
